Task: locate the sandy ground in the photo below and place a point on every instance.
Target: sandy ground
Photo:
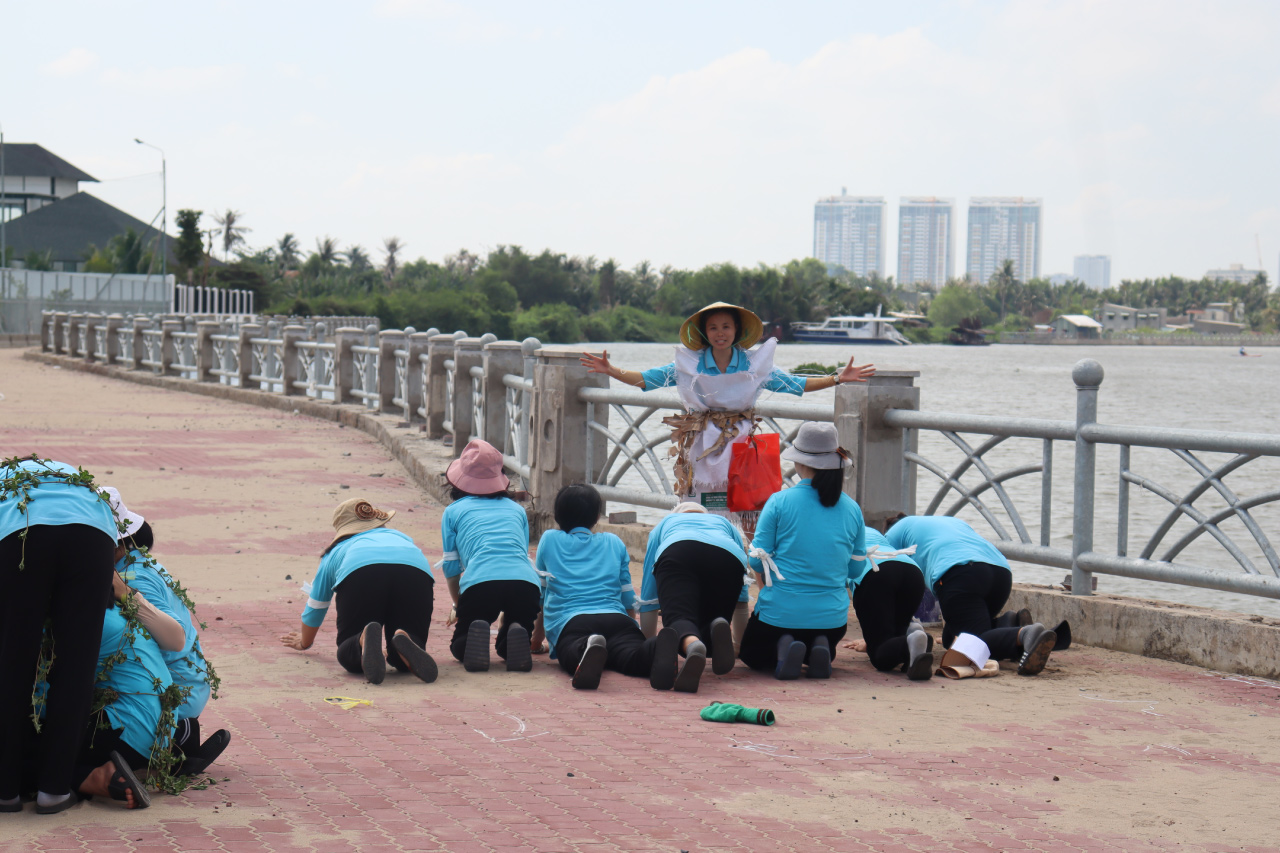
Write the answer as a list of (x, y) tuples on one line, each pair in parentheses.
[(1104, 751)]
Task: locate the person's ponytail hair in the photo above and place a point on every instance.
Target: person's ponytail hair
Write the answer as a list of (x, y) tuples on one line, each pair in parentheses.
[(829, 482)]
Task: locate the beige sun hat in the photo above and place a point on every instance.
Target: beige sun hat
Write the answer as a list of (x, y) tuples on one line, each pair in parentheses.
[(356, 516), (750, 327)]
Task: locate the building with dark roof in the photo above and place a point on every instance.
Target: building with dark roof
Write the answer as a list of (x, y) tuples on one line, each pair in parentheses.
[(68, 227), (35, 177)]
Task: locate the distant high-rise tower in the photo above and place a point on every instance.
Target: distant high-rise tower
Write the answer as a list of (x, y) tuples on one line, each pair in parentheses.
[(1003, 229), (1093, 270), (925, 247), (848, 231)]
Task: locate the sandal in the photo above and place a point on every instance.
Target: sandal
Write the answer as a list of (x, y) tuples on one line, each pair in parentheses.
[(123, 780), (415, 657), (372, 659)]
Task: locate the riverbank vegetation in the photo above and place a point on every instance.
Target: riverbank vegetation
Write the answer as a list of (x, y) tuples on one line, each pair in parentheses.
[(567, 299)]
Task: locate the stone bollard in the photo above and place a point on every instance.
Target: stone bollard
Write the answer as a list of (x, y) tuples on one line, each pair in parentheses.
[(467, 353), (139, 341), (112, 331), (205, 330), (74, 322), (560, 423), (244, 345), (439, 349), (290, 335), (390, 340), (168, 348), (46, 331), (92, 323), (344, 376), (59, 330), (500, 358), (880, 480), (415, 404)]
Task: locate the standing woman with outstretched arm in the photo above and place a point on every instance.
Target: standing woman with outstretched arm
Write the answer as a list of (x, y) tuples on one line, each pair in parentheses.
[(719, 378)]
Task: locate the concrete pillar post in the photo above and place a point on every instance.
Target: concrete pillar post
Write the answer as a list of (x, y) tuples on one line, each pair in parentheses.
[(560, 422), (91, 324), (290, 335), (139, 341), (168, 347), (389, 341), (344, 377), (467, 353), (74, 321), (205, 330), (439, 349), (46, 331), (244, 345), (880, 480), (500, 358), (112, 331), (59, 330), (414, 390)]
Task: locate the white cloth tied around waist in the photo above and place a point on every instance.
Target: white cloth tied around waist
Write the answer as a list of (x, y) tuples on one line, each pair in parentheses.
[(878, 556), (770, 567)]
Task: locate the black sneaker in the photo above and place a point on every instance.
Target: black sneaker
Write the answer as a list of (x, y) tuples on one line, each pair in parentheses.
[(662, 672), (416, 658), (372, 659), (819, 659), (590, 668), (206, 754), (790, 662), (722, 655), (1037, 643), (519, 653), (475, 658), (695, 660)]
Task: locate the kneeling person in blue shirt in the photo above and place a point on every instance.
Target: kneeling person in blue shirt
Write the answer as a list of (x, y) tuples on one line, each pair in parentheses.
[(971, 580), (589, 604)]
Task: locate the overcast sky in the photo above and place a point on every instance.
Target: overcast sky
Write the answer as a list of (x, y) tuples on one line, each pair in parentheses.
[(683, 133)]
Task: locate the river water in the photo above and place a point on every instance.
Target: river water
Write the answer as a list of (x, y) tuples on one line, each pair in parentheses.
[(1187, 387)]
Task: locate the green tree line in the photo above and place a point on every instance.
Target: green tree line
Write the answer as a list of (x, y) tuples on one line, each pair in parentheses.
[(567, 298)]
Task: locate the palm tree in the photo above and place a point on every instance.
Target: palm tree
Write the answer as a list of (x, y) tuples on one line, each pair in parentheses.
[(288, 252), (391, 247), (327, 250), (357, 259), (231, 231)]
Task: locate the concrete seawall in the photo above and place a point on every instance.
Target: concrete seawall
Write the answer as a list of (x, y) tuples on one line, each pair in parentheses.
[(1219, 640)]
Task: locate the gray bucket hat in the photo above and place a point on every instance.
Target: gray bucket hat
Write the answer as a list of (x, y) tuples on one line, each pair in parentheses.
[(817, 445)]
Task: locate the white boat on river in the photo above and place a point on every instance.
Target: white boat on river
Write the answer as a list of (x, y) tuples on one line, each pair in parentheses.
[(867, 329)]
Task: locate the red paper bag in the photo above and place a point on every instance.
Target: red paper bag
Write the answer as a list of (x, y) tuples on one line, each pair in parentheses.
[(755, 472)]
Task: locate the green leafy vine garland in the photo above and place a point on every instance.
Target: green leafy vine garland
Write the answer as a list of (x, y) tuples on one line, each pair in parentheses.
[(16, 483)]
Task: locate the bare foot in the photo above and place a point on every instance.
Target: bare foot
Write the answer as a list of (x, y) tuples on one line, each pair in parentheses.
[(98, 784)]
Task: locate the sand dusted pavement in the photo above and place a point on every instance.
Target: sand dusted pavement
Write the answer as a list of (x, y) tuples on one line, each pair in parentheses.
[(1104, 751)]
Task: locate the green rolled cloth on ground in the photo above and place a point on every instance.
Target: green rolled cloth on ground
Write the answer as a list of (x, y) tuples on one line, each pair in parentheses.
[(725, 712)]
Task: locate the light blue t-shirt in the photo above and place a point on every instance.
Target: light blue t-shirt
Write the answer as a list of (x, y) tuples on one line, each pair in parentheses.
[(486, 539), (186, 665), (813, 547), (380, 545), (138, 681), (875, 539), (582, 572), (779, 380), (942, 543), (681, 526), (55, 502)]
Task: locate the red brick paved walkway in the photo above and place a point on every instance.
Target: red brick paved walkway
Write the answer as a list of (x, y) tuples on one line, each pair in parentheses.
[(1104, 752)]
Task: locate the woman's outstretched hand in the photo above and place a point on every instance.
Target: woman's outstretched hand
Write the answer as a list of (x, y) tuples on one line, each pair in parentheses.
[(597, 363), (293, 640), (856, 372)]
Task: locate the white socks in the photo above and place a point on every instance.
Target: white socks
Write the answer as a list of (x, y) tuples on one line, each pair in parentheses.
[(917, 643)]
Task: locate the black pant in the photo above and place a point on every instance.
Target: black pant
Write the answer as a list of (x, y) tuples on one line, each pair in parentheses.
[(519, 602), (697, 584), (629, 652), (971, 595), (67, 577), (760, 641), (884, 602), (395, 595)]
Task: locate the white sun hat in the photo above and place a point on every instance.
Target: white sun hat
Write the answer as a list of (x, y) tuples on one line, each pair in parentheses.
[(131, 520)]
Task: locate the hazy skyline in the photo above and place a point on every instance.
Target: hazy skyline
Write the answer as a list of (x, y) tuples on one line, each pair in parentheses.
[(677, 133)]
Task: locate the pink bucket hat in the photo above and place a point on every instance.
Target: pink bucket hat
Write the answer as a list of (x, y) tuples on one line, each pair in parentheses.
[(478, 471)]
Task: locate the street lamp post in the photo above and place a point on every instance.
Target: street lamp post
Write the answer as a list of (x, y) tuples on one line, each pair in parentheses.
[(164, 208)]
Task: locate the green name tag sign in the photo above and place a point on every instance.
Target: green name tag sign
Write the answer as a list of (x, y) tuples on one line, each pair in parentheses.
[(715, 500)]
